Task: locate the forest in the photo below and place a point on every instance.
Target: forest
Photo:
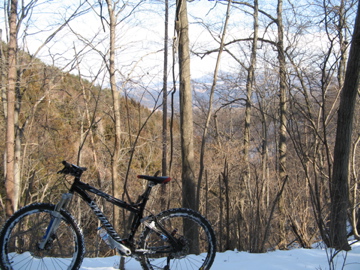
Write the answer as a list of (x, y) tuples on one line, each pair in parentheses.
[(239, 102)]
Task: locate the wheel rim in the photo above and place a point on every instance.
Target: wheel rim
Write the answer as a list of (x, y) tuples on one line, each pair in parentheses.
[(183, 258), (22, 249)]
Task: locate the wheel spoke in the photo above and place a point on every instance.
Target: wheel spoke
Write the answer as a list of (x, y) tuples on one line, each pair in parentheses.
[(187, 253), (25, 230)]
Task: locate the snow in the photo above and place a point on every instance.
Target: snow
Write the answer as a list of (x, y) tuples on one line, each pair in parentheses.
[(295, 259)]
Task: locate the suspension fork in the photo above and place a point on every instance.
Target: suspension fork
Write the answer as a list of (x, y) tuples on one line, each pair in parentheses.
[(55, 219)]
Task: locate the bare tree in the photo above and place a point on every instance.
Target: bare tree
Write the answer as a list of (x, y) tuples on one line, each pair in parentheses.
[(339, 181), (210, 105), (283, 117), (116, 186), (10, 185), (165, 91), (250, 81), (164, 166), (186, 114)]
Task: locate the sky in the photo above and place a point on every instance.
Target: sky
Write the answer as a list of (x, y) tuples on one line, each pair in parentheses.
[(140, 38)]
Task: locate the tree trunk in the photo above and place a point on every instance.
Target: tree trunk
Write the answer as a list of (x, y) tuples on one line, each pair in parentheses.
[(210, 106), (283, 94), (116, 107), (355, 211), (2, 75), (186, 116), (283, 120), (220, 216), (165, 93), (225, 178), (339, 181), (164, 105), (249, 90), (343, 44), (10, 128)]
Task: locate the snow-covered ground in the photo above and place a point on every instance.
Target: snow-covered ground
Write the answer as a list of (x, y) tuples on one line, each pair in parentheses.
[(296, 259)]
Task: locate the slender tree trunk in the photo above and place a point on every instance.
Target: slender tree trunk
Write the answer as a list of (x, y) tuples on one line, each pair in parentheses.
[(165, 92), (17, 163), (10, 121), (283, 94), (221, 227), (165, 102), (339, 181), (355, 211), (343, 44), (283, 120), (115, 159), (225, 178), (90, 121), (249, 90), (116, 187), (2, 75), (19, 134), (264, 162), (209, 111)]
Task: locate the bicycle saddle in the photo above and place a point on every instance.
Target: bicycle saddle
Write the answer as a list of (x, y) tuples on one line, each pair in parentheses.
[(156, 179)]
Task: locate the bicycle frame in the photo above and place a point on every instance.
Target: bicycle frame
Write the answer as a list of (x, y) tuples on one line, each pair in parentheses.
[(126, 245), (82, 189)]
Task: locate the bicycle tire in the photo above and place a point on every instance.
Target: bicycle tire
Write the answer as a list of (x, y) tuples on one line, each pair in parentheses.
[(159, 248), (20, 236)]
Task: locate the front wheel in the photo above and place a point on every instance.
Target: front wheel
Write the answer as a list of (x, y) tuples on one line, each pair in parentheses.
[(188, 243), (21, 236)]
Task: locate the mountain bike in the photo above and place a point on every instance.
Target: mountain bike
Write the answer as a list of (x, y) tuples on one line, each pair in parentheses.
[(47, 236)]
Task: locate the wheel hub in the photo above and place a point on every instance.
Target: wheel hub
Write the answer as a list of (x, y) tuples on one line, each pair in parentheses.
[(184, 243)]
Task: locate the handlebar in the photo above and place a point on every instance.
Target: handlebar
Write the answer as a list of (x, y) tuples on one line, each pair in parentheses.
[(72, 169), (77, 171)]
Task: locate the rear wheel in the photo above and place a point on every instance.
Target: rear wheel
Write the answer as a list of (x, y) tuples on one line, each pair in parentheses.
[(22, 233), (186, 252)]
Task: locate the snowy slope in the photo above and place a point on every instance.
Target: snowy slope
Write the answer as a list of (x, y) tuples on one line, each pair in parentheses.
[(296, 259)]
